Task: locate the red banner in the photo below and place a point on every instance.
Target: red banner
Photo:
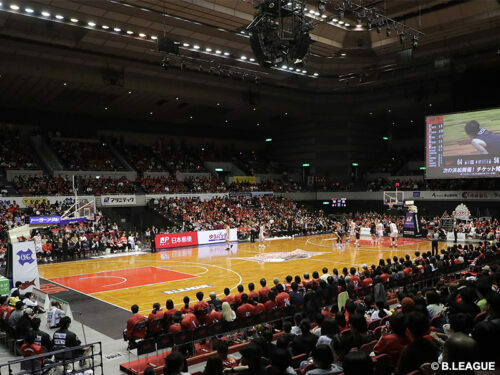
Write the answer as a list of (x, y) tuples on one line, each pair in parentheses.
[(164, 241)]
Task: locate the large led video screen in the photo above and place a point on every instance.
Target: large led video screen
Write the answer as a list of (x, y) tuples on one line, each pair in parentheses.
[(463, 145)]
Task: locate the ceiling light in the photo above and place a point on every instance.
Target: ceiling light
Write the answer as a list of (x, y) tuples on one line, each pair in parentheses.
[(342, 54), (226, 53), (347, 24), (311, 11), (75, 20), (177, 98), (243, 57), (91, 24), (196, 46), (130, 32), (323, 16), (28, 10), (117, 29), (341, 22), (14, 7), (317, 14), (130, 92), (59, 17), (334, 20), (142, 35), (154, 37), (284, 67), (304, 71), (45, 14), (185, 44), (150, 113), (290, 68), (208, 49), (315, 74), (297, 70), (105, 27), (218, 52), (252, 59)]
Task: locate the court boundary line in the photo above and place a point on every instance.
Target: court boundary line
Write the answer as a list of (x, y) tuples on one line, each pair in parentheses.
[(91, 296), (131, 287)]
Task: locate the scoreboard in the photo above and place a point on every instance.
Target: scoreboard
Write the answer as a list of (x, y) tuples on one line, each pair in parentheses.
[(339, 202)]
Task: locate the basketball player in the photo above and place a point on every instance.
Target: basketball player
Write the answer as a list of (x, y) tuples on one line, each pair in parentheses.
[(393, 229), (484, 141), (262, 229), (352, 230), (380, 231), (357, 234), (373, 232), (228, 238)]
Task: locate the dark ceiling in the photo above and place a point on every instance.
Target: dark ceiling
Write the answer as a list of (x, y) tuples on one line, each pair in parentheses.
[(86, 68)]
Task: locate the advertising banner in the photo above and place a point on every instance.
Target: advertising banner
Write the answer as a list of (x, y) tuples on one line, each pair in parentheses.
[(118, 200), (165, 241), (245, 179), (45, 220), (25, 267), (215, 236), (24, 202)]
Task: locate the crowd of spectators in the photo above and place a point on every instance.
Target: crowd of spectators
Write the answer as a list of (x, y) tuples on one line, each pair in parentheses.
[(103, 186), (165, 157), (86, 156), (15, 153), (405, 313), (279, 215), (43, 185)]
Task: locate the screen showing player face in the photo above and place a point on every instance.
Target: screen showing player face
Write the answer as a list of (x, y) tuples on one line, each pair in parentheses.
[(463, 145)]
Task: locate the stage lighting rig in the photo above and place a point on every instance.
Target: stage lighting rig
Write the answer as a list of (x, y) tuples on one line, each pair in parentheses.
[(279, 33)]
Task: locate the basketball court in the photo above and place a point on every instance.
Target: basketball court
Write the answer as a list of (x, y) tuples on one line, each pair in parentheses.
[(172, 274)]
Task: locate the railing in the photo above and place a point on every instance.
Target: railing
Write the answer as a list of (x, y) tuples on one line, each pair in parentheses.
[(75, 360)]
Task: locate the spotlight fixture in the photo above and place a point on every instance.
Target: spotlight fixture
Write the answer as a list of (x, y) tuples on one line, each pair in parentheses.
[(415, 41), (388, 30), (74, 20), (402, 37), (91, 24), (45, 14), (14, 7), (165, 63), (322, 6), (28, 10), (279, 36), (59, 17), (117, 29)]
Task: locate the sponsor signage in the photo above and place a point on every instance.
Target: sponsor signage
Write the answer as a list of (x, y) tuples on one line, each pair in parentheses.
[(165, 241), (25, 268), (24, 202), (45, 220), (118, 200), (461, 212)]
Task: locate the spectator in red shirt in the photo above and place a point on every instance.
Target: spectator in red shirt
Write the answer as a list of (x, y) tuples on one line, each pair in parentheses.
[(186, 308), (385, 275), (132, 333), (355, 280), (307, 280), (394, 343), (316, 278), (189, 322), (176, 323), (283, 298), (270, 304), (201, 308), (251, 291), (237, 298), (367, 280), (155, 320), (5, 309), (258, 307), (264, 291), (168, 314), (29, 348), (245, 310), (229, 299)]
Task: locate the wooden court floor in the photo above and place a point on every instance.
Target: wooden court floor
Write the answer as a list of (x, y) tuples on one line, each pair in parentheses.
[(148, 278)]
